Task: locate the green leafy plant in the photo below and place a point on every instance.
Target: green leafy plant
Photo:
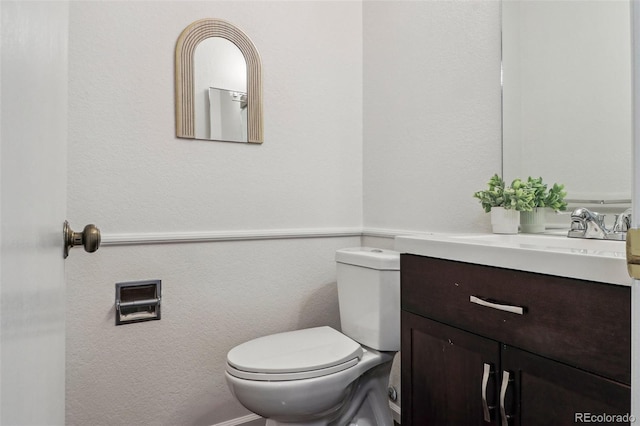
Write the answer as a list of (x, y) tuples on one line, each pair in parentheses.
[(553, 198), (518, 196), (539, 190)]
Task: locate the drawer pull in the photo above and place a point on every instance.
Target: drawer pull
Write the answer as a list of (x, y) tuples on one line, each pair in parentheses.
[(507, 308), (486, 408)]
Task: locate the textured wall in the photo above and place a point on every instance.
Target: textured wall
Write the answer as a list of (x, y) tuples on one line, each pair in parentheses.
[(431, 112), (128, 173), (430, 126), (215, 296)]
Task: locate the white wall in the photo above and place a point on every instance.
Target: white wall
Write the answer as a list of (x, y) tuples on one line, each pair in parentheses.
[(430, 126), (33, 193), (431, 112), (129, 174), (215, 296)]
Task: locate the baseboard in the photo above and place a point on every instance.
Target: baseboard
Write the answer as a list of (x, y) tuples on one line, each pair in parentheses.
[(249, 418), (244, 420)]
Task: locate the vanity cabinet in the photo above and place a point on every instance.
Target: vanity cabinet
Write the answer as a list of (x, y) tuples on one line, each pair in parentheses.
[(489, 346)]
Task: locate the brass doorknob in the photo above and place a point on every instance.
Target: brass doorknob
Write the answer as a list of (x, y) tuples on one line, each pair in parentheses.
[(89, 238)]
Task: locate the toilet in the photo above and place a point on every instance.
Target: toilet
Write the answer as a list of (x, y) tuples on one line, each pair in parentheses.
[(320, 376)]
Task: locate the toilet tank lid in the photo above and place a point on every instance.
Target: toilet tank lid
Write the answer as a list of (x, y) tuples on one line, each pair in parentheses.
[(369, 257)]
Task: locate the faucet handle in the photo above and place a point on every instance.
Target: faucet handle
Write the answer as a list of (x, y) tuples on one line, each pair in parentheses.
[(623, 221), (578, 225), (578, 221)]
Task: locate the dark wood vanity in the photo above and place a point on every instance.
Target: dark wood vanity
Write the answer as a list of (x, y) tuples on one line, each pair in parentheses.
[(560, 352)]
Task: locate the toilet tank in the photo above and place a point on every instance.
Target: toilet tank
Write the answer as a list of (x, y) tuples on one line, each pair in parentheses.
[(369, 296)]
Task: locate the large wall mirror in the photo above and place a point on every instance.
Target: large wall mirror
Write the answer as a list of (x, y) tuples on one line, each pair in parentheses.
[(218, 84), (567, 96)]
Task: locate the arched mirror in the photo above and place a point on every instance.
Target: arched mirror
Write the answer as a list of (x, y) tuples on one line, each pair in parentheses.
[(218, 84)]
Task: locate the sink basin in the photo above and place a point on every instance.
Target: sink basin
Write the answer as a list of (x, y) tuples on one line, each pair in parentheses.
[(553, 254)]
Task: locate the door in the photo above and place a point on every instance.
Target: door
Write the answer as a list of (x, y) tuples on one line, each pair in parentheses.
[(635, 219), (33, 131), (448, 375), (545, 392)]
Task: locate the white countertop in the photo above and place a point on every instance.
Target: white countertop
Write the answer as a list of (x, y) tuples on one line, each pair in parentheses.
[(553, 254)]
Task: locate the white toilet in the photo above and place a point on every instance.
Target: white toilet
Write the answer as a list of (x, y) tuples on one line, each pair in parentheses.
[(319, 376)]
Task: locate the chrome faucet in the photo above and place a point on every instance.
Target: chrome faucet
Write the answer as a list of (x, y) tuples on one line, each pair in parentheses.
[(588, 224), (622, 222)]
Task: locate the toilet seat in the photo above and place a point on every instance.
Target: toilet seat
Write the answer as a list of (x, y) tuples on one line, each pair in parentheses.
[(294, 355)]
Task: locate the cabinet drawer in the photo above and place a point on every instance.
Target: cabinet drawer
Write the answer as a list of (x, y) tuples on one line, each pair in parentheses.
[(581, 323)]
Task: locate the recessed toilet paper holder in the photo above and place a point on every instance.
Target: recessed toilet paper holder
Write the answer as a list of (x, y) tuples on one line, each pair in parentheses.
[(138, 301)]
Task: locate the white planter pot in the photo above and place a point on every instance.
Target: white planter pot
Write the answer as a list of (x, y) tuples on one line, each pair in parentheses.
[(533, 222), (504, 221)]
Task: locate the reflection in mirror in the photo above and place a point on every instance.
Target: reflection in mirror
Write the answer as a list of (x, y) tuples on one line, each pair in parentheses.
[(227, 115), (218, 84), (567, 95), (219, 66)]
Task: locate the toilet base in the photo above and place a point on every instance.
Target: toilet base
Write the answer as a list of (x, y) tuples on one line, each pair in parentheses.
[(368, 403)]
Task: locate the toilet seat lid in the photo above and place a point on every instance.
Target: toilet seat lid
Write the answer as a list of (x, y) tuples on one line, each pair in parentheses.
[(295, 351)]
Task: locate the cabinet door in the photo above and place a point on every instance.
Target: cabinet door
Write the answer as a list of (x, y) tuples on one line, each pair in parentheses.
[(545, 392), (448, 375)]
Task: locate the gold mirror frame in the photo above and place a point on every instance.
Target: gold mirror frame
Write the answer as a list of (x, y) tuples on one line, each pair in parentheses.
[(185, 49)]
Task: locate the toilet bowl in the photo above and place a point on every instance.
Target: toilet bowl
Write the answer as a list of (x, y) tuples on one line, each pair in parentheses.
[(320, 376), (316, 393)]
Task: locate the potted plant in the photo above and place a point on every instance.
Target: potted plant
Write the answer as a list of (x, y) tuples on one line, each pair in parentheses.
[(505, 203), (534, 221)]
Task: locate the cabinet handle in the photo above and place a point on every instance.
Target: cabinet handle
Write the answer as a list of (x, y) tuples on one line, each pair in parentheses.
[(486, 408), (507, 308), (503, 393)]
